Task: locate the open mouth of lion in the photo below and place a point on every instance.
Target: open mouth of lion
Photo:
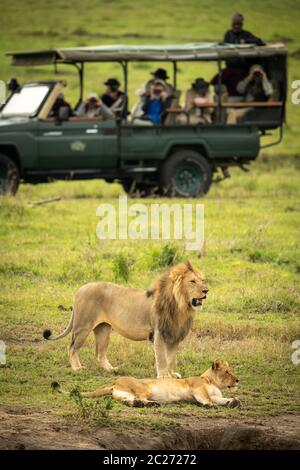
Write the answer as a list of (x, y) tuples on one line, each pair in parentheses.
[(196, 302)]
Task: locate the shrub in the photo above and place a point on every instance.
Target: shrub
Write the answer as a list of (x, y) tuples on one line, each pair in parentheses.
[(121, 267)]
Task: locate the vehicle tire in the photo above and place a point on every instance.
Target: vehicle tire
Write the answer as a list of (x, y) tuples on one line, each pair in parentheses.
[(186, 173), (138, 189), (9, 175)]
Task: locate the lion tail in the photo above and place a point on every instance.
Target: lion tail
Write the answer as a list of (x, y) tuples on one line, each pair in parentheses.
[(100, 392), (47, 334)]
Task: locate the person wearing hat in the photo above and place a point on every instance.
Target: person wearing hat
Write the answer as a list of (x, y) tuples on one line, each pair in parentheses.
[(59, 103), (93, 106), (255, 87), (155, 104), (237, 35), (144, 92), (111, 104), (115, 99), (197, 96), (161, 74)]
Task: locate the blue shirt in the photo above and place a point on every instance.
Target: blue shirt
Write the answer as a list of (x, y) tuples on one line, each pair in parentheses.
[(154, 110)]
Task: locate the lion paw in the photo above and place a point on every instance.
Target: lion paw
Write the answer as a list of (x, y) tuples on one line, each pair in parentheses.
[(234, 403), (176, 375), (138, 403), (153, 404), (210, 405)]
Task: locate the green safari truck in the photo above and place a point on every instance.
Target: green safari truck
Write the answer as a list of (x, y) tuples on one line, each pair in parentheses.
[(173, 158)]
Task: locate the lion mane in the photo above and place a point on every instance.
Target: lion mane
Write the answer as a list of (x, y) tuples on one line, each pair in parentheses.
[(171, 308)]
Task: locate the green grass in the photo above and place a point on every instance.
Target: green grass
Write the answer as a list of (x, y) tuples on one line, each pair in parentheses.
[(250, 318), (32, 24)]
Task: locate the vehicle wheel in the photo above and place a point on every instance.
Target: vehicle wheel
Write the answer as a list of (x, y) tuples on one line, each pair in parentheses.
[(186, 173), (138, 188), (9, 176)]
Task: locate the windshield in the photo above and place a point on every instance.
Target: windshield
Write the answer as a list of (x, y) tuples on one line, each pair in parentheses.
[(27, 101)]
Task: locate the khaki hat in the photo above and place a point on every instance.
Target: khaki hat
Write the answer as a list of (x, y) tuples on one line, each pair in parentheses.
[(93, 96), (158, 81), (257, 67)]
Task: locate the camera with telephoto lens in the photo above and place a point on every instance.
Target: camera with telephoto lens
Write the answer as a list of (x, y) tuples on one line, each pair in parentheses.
[(157, 91)]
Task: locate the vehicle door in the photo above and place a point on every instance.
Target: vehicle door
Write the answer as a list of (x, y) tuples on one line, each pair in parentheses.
[(77, 144)]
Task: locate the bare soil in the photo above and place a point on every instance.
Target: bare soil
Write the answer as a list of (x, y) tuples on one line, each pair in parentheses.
[(22, 428)]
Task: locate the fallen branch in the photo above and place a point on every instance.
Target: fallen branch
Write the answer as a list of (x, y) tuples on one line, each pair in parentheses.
[(44, 201)]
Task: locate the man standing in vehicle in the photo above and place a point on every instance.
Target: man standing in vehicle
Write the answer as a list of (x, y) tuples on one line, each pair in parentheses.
[(237, 35)]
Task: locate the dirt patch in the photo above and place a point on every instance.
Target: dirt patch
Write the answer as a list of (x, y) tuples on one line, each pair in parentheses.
[(22, 428)]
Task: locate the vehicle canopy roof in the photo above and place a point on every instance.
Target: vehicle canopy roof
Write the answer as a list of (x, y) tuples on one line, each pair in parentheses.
[(175, 52)]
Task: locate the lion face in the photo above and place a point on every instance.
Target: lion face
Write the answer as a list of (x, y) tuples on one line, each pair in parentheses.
[(195, 287), (223, 375), (176, 294), (188, 286)]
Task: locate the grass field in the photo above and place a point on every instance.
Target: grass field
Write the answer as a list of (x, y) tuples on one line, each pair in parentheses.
[(252, 253)]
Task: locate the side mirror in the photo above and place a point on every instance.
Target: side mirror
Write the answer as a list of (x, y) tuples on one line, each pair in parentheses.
[(63, 113)]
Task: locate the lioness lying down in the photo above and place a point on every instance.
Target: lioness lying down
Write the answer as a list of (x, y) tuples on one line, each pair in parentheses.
[(163, 314), (152, 392)]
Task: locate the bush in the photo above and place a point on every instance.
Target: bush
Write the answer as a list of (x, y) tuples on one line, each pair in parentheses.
[(94, 411), (164, 256), (121, 267)]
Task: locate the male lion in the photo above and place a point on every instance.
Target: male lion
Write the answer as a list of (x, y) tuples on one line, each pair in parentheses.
[(163, 313), (152, 392)]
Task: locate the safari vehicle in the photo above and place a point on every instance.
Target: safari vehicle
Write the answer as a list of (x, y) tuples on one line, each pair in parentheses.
[(170, 158)]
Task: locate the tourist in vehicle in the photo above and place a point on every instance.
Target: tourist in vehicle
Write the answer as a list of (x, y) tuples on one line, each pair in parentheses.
[(237, 35), (255, 87), (161, 74), (114, 98), (144, 92), (196, 98), (137, 109), (93, 106), (158, 74), (156, 104), (59, 103)]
